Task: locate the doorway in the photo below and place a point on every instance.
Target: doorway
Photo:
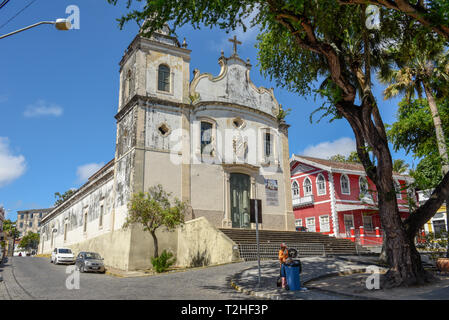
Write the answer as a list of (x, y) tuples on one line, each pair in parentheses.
[(240, 186)]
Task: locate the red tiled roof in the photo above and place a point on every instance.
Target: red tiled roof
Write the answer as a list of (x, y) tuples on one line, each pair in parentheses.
[(341, 165)]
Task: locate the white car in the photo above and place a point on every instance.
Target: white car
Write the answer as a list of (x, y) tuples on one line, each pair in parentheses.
[(62, 255)]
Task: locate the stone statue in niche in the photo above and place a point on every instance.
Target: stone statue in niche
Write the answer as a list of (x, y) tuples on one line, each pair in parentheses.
[(240, 146)]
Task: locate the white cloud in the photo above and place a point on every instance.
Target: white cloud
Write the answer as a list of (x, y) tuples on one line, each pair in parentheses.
[(246, 37), (42, 108), (327, 149), (85, 171), (11, 167)]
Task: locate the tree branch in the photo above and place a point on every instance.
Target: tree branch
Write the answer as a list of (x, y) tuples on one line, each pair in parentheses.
[(417, 12)]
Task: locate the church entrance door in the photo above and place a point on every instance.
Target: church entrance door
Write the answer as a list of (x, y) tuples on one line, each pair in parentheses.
[(240, 193)]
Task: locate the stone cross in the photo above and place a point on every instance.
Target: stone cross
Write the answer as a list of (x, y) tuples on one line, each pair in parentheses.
[(236, 42)]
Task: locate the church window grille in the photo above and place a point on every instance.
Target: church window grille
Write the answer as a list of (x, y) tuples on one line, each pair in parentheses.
[(206, 138), (164, 129), (164, 78), (268, 144)]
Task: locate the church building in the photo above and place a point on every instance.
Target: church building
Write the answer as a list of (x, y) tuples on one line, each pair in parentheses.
[(214, 142)]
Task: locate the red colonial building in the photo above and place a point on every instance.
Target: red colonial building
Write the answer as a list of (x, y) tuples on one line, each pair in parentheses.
[(338, 199)]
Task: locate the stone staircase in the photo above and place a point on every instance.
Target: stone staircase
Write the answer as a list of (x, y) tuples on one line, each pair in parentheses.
[(312, 243)]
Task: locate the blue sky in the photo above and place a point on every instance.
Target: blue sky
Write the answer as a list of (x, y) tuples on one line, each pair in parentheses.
[(59, 94)]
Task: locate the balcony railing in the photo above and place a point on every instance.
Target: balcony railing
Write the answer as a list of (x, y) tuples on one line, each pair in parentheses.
[(303, 201)]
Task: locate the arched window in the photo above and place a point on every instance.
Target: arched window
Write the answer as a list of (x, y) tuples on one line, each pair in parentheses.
[(344, 181), (321, 185), (295, 189), (397, 187), (363, 184), (206, 138), (163, 78), (307, 187)]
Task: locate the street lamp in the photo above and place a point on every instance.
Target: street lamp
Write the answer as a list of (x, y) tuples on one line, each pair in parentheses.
[(60, 24)]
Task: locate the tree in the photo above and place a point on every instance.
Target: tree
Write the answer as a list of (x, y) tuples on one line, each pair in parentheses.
[(400, 166), (432, 14), (306, 42), (414, 132), (351, 158), (153, 210), (61, 198), (30, 241)]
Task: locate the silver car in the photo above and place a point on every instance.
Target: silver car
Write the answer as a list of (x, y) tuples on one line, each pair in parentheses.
[(89, 261)]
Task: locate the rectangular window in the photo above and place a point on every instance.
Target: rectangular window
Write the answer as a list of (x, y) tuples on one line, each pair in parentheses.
[(310, 224), (438, 227), (101, 216), (268, 144), (21, 225), (206, 138), (298, 223), (31, 224), (324, 224), (85, 222), (65, 232), (368, 223)]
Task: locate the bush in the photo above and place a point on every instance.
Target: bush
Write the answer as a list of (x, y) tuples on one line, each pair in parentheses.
[(163, 262)]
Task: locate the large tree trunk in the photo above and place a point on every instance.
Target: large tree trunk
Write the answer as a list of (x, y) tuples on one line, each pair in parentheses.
[(156, 247)]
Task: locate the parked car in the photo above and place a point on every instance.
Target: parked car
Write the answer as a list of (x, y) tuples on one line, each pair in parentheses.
[(89, 261), (301, 229), (62, 255)]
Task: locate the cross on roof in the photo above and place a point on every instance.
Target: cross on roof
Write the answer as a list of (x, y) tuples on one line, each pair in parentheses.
[(236, 42)]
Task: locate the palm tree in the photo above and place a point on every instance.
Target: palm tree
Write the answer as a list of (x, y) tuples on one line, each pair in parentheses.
[(424, 72), (422, 69), (400, 166)]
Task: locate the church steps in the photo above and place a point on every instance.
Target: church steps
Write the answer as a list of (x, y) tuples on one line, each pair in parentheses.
[(332, 246)]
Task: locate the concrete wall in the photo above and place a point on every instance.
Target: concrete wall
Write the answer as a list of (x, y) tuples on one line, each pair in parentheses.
[(200, 243)]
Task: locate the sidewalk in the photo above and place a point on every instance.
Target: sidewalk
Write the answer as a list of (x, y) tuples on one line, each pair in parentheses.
[(334, 278), (313, 268)]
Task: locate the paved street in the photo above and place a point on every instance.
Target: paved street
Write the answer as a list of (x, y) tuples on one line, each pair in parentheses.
[(36, 278)]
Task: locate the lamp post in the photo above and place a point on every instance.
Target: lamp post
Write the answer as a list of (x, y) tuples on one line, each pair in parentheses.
[(60, 24)]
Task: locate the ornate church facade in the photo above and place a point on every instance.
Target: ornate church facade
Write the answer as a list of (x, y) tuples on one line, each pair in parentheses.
[(214, 142)]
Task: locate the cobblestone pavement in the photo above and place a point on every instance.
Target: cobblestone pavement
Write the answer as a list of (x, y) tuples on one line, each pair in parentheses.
[(312, 267), (36, 278)]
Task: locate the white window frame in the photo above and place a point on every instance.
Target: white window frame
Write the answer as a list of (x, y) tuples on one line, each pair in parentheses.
[(298, 223), (307, 193), (363, 180), (317, 185), (169, 79), (352, 218), (398, 189), (307, 224), (295, 188), (213, 137), (341, 184), (328, 223), (371, 223)]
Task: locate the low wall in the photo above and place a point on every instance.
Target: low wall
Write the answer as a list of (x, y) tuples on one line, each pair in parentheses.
[(200, 244), (113, 246)]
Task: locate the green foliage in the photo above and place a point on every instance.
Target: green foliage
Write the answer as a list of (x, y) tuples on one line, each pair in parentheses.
[(154, 209), (435, 243), (10, 229), (414, 132), (400, 166), (30, 241), (163, 262), (60, 198), (352, 158)]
